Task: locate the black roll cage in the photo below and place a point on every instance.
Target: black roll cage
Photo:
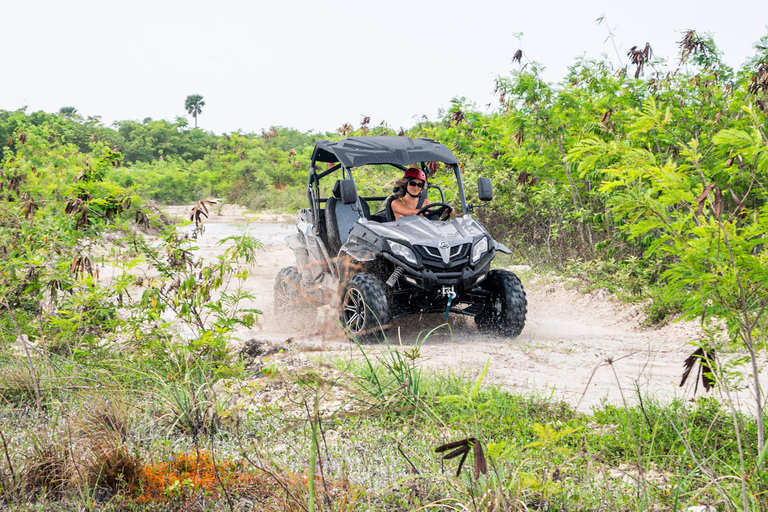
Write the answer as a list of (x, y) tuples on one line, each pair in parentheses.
[(313, 186)]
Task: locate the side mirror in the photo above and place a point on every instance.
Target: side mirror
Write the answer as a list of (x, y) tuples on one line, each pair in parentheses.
[(348, 191), (484, 189)]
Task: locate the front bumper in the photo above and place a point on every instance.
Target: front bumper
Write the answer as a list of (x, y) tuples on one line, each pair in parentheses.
[(420, 289)]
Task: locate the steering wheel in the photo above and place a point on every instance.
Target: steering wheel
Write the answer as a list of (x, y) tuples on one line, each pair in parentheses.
[(441, 211)]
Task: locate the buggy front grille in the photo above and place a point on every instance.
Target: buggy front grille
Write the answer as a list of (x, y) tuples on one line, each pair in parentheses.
[(431, 258)]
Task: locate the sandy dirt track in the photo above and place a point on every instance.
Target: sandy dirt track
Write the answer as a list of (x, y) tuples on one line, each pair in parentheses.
[(567, 335)]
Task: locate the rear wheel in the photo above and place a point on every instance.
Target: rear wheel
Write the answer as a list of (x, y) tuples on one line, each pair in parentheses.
[(504, 313), (287, 290), (364, 310)]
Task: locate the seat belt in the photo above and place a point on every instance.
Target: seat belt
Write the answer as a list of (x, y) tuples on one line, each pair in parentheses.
[(422, 196)]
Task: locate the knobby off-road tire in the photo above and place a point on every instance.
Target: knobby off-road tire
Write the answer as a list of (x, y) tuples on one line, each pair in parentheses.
[(287, 291), (364, 311), (504, 314)]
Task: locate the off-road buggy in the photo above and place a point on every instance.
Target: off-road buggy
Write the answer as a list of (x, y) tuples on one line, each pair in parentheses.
[(375, 268)]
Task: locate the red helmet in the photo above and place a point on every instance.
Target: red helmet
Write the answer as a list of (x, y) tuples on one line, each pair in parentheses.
[(413, 172)]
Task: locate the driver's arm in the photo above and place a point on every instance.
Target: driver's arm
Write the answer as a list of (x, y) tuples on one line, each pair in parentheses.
[(400, 209)]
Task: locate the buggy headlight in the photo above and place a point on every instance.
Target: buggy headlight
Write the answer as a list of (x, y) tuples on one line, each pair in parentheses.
[(480, 248), (403, 252)]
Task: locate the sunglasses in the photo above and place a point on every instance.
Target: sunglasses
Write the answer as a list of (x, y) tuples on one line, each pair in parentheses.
[(417, 184)]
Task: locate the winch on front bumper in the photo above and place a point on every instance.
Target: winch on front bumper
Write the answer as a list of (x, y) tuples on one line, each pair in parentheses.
[(438, 287)]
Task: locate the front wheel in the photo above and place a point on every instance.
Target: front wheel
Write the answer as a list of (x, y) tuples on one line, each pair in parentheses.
[(506, 307), (364, 312)]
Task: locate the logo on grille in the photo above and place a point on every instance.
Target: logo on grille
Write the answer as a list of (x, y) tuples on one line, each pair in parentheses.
[(443, 245)]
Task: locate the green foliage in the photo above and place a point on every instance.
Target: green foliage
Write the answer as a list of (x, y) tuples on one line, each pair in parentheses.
[(65, 127), (393, 376), (168, 182), (205, 297), (261, 172), (151, 141), (58, 212), (705, 222), (247, 168), (170, 163), (55, 209), (543, 452), (708, 226)]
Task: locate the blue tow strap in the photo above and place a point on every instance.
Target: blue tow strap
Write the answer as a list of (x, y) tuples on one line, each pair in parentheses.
[(448, 306)]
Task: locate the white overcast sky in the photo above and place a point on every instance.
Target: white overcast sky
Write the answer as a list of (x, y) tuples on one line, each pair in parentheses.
[(315, 65)]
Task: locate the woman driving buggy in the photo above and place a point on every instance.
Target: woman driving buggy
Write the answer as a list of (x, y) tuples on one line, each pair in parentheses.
[(408, 189)]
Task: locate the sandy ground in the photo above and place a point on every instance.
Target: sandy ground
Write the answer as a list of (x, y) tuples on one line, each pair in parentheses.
[(563, 351)]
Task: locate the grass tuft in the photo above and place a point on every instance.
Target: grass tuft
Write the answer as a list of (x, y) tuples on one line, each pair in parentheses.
[(47, 470)]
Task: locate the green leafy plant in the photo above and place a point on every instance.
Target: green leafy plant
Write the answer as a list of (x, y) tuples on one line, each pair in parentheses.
[(394, 374), (709, 229), (198, 293)]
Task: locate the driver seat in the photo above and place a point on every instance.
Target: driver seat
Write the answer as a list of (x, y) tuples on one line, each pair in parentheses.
[(388, 208)]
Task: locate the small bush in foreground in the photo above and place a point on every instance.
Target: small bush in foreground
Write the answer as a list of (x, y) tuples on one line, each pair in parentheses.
[(185, 477)]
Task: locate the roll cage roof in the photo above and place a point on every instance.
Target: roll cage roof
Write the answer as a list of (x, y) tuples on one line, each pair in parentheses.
[(380, 149), (397, 151)]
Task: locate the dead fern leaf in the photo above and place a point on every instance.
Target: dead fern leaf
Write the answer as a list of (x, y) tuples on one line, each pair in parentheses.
[(462, 448), (706, 359), (199, 211)]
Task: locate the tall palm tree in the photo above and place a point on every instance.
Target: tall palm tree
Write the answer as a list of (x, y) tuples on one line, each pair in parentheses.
[(194, 105)]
